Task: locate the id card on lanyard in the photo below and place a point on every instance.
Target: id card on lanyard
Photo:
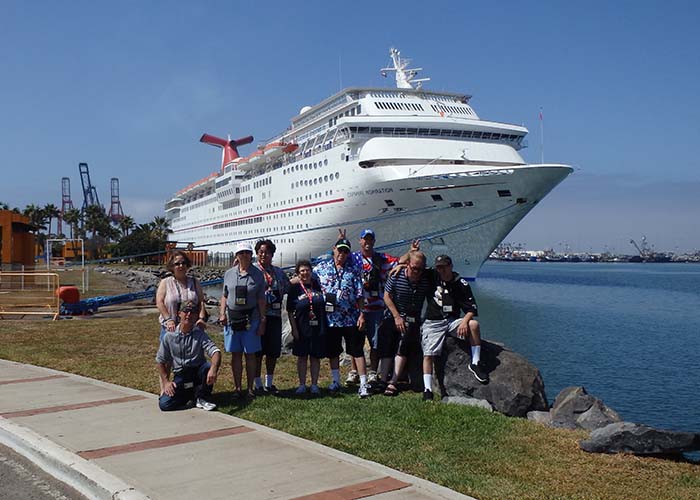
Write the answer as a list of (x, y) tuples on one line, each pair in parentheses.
[(313, 321)]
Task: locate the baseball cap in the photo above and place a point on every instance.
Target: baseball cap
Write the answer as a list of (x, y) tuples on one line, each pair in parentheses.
[(188, 307), (443, 260), (342, 242), (367, 232), (244, 246)]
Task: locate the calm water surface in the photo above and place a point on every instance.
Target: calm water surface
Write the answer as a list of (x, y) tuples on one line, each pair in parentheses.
[(629, 333)]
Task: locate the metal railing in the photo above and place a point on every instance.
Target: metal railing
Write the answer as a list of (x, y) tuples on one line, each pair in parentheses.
[(29, 294)]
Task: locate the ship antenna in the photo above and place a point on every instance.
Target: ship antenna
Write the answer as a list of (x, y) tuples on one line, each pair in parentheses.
[(405, 77)]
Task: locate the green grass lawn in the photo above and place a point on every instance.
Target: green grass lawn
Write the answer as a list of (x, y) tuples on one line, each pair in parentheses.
[(482, 454)]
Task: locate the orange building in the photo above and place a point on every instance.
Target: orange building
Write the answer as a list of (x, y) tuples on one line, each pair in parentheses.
[(16, 242)]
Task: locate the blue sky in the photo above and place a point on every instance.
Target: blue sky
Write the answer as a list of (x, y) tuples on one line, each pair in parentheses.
[(129, 87)]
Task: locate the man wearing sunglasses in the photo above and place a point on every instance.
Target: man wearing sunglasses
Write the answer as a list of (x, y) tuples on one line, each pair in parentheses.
[(341, 282), (399, 333)]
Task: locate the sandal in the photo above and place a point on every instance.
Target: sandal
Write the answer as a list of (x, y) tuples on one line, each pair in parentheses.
[(391, 390)]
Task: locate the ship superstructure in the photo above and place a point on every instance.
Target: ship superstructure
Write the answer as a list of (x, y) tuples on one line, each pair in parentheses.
[(406, 161)]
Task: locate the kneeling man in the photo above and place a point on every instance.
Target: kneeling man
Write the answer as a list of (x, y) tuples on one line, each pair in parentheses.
[(193, 376), (449, 296)]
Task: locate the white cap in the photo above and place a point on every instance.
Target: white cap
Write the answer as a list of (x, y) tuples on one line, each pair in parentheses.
[(244, 246)]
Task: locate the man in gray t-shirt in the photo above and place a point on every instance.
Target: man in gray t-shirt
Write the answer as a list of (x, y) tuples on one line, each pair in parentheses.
[(184, 350)]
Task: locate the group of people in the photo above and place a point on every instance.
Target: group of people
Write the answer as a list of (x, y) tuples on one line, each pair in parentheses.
[(338, 304)]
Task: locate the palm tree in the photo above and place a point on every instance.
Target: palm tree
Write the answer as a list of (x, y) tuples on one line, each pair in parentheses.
[(72, 218), (126, 224), (161, 228), (37, 217), (51, 212)]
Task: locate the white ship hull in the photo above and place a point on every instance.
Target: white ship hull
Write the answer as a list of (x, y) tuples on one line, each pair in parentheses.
[(409, 164)]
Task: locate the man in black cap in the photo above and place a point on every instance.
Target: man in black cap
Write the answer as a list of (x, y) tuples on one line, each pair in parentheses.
[(448, 297), (341, 282)]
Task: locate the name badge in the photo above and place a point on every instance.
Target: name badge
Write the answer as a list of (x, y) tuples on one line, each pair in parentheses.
[(188, 385), (410, 319), (330, 308), (313, 322), (276, 306), (447, 309)]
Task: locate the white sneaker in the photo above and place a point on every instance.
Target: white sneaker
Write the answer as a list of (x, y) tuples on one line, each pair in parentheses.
[(300, 390), (371, 376), (205, 405), (334, 387), (363, 392)]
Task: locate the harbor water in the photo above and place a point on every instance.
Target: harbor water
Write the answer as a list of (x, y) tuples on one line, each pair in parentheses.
[(628, 333)]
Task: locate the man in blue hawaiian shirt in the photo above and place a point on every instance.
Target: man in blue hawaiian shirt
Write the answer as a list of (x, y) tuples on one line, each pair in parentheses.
[(341, 282)]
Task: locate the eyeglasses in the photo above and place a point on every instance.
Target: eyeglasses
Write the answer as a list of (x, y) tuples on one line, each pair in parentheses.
[(180, 263)]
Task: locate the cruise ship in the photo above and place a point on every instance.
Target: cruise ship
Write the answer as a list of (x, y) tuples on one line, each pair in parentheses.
[(405, 161)]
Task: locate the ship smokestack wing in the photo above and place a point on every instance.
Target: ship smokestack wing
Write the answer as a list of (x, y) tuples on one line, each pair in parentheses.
[(229, 147)]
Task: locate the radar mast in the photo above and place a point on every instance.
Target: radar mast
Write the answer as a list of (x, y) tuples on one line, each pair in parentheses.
[(405, 77)]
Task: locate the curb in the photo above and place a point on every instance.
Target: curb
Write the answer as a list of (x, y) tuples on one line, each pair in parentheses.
[(83, 476)]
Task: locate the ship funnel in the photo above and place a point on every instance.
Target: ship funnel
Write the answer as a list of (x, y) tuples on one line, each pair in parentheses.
[(229, 148)]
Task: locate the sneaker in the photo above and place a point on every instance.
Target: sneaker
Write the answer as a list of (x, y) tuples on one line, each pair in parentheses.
[(479, 373), (205, 405), (301, 390), (334, 387), (427, 395), (353, 378), (376, 387), (272, 390), (363, 392), (315, 391), (371, 376)]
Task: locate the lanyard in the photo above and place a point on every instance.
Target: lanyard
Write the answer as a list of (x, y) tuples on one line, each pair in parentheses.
[(338, 276), (309, 294), (268, 276)]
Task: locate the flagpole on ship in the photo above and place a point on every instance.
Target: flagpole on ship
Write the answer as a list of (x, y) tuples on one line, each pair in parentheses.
[(541, 136)]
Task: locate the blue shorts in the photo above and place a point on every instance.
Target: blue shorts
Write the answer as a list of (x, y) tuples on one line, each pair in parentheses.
[(372, 321), (246, 341)]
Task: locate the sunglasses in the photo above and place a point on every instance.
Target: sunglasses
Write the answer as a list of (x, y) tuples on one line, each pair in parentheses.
[(180, 263)]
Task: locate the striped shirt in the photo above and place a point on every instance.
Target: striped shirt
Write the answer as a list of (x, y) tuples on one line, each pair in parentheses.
[(408, 297)]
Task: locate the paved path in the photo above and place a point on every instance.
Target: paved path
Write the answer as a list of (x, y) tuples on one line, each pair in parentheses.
[(108, 441)]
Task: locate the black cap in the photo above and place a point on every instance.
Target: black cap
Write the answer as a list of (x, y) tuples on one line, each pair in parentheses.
[(342, 242), (443, 260), (188, 307)]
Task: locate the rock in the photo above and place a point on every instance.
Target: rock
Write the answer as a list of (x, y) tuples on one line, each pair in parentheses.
[(541, 417), (597, 416), (515, 386), (626, 437), (574, 407), (459, 400)]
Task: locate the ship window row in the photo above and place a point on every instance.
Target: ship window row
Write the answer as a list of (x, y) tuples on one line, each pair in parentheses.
[(305, 166), (350, 112), (388, 95), (435, 132), (235, 223), (451, 109), (262, 182), (399, 106), (196, 205), (318, 180), (222, 183)]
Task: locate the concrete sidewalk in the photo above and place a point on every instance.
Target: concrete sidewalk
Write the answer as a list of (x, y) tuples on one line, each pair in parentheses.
[(108, 441)]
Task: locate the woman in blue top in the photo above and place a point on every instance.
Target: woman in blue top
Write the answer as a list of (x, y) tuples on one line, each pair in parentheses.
[(307, 317)]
